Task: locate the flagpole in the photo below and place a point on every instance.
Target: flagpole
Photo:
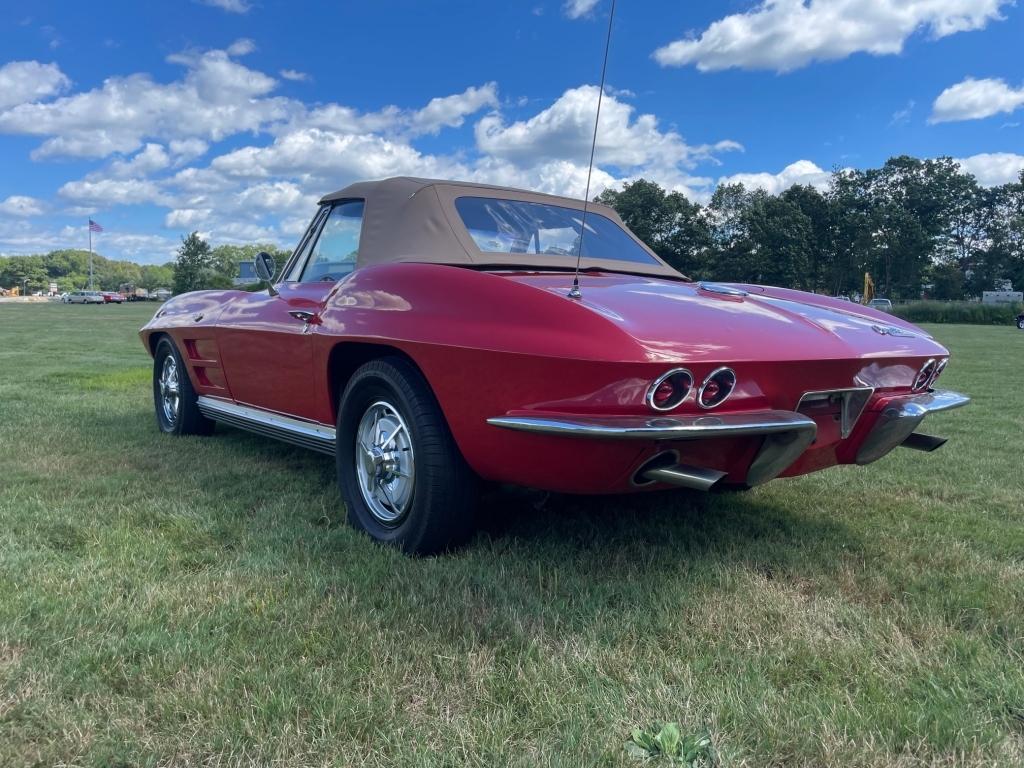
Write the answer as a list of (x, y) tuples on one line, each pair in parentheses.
[(89, 227)]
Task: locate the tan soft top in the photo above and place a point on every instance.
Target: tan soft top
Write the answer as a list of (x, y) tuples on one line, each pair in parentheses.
[(410, 219)]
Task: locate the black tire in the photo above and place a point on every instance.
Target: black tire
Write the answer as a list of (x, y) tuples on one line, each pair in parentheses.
[(186, 418), (1020, 323), (439, 513)]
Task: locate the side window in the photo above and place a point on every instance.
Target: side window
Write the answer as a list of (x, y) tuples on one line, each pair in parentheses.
[(336, 249)]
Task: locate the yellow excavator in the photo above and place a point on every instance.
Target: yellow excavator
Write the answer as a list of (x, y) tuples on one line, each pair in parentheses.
[(869, 289)]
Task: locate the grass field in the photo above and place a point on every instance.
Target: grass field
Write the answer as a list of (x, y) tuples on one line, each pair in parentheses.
[(201, 602)]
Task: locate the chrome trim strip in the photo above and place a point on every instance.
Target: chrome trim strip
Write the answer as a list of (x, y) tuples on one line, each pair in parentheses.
[(680, 427), (307, 434), (900, 419), (722, 290)]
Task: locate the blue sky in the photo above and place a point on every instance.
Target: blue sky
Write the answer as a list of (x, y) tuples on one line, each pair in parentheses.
[(231, 117)]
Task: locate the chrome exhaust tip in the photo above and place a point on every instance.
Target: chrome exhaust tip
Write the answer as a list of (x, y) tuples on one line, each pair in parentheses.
[(665, 468)]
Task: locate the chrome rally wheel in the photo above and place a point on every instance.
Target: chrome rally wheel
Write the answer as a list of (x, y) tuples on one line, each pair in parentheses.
[(402, 477), (174, 399), (170, 390), (385, 463)]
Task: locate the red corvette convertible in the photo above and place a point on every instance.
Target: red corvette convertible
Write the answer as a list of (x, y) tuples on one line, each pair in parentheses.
[(425, 334)]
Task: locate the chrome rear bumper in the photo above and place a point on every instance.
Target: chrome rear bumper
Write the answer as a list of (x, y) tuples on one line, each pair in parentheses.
[(786, 435), (698, 427), (898, 420)]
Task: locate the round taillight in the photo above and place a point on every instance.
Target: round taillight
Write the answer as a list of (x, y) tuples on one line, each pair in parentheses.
[(924, 376), (670, 389), (716, 388)]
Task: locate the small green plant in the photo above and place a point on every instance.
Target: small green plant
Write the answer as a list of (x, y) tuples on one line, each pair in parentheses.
[(694, 750)]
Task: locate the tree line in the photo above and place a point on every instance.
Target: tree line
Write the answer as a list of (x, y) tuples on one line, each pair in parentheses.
[(69, 269), (196, 266), (922, 228)]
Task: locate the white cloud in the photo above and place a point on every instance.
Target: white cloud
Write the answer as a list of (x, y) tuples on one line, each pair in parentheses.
[(105, 193), (564, 131), (243, 46), (152, 158), (187, 218), (902, 116), (216, 98), (21, 205), (993, 168), (231, 6), (294, 75), (185, 150), (315, 152), (801, 172), (26, 81), (973, 99), (784, 35), (266, 188), (451, 111), (279, 197), (575, 9), (557, 177)]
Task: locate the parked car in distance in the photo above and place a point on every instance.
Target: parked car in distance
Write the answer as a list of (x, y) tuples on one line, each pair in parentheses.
[(1020, 321), (111, 297), (430, 334), (85, 297), (881, 304)]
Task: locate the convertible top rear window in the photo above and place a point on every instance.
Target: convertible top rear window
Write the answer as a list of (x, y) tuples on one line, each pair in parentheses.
[(517, 226)]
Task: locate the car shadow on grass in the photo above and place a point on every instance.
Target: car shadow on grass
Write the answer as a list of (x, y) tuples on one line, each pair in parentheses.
[(749, 527), (740, 527)]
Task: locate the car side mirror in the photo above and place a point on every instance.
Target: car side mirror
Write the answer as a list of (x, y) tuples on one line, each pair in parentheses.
[(266, 267)]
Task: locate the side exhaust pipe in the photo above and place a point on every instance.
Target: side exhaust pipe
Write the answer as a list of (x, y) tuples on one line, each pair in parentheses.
[(922, 442), (683, 475)]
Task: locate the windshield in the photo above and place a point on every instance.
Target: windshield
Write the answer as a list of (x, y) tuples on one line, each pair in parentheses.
[(516, 226)]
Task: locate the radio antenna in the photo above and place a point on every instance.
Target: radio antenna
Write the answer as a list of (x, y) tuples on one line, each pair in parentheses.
[(574, 292)]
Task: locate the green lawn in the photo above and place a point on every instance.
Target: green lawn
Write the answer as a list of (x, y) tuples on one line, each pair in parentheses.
[(201, 602)]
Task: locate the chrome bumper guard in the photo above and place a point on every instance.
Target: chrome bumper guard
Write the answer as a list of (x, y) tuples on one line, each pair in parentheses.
[(786, 434), (896, 424)]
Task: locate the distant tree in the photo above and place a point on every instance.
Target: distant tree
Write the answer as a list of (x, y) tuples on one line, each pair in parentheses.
[(192, 267), (781, 241), (155, 276), (226, 258), (734, 257), (672, 226), (24, 271), (819, 213), (1004, 256)]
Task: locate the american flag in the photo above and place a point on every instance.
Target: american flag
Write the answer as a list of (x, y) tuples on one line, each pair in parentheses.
[(94, 227)]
